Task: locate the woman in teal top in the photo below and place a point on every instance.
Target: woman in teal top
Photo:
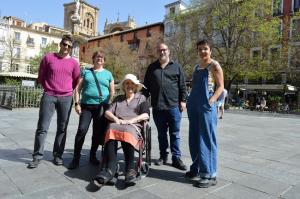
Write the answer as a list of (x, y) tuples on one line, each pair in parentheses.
[(92, 106)]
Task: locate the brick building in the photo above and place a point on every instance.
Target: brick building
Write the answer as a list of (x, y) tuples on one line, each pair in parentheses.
[(141, 40)]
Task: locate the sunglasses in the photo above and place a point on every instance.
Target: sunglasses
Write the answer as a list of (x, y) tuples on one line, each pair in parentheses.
[(66, 45)]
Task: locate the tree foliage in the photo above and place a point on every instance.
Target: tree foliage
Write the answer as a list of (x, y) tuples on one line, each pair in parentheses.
[(35, 61), (121, 59), (235, 28), (11, 52)]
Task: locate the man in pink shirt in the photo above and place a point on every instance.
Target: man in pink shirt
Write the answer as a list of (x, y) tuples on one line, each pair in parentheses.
[(58, 74)]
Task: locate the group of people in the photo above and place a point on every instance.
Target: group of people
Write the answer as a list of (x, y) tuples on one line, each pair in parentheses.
[(120, 118)]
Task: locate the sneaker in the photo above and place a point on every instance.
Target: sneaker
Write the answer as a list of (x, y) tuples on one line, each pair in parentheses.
[(179, 164), (74, 164), (94, 161), (130, 177), (34, 163), (58, 161), (161, 161), (206, 182), (190, 175)]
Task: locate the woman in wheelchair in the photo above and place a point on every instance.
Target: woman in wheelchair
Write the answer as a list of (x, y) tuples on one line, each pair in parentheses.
[(126, 114)]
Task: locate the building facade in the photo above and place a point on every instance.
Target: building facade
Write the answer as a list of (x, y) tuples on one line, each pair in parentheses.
[(23, 42), (88, 14), (119, 26), (139, 43)]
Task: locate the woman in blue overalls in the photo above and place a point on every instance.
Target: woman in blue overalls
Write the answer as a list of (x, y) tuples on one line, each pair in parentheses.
[(207, 85)]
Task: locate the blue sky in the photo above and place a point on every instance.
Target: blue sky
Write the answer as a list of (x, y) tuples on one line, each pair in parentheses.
[(51, 11)]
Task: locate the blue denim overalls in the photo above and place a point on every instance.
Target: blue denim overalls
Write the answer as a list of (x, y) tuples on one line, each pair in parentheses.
[(202, 126)]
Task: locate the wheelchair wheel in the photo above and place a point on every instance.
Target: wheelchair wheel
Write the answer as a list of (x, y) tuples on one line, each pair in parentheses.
[(144, 169)]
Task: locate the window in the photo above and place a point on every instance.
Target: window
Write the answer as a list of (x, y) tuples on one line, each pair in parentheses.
[(256, 53), (274, 55), (121, 38), (2, 53), (294, 56), (277, 7), (169, 29), (18, 52), (133, 44), (98, 43), (15, 67), (30, 41), (17, 36), (148, 33), (28, 69), (295, 30), (296, 5), (172, 11), (44, 42), (18, 23)]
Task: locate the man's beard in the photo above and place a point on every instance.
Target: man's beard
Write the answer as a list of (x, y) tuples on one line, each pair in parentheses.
[(163, 58)]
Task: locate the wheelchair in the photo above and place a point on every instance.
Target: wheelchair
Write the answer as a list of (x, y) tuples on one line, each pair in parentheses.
[(143, 162)]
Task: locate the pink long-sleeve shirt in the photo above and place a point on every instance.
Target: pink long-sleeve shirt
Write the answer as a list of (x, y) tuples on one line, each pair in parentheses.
[(58, 75)]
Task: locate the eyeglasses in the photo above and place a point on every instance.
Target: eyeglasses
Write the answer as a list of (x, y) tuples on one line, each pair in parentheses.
[(66, 45), (163, 49)]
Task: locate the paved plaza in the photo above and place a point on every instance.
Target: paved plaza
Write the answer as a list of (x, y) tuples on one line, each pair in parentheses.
[(259, 157)]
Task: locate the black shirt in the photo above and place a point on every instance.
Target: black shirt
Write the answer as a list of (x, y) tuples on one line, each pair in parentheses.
[(165, 85)]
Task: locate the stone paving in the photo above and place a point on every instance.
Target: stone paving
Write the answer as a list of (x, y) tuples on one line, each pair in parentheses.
[(259, 157)]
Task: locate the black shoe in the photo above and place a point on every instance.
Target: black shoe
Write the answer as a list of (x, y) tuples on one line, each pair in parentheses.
[(190, 175), (161, 161), (94, 161), (130, 177), (206, 182), (34, 163), (58, 161), (104, 177), (179, 164), (74, 164)]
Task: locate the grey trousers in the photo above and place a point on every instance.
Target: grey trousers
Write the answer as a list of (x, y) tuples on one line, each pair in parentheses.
[(63, 107)]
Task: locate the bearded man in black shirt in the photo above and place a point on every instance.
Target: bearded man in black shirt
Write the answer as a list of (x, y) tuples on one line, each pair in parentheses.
[(165, 82)]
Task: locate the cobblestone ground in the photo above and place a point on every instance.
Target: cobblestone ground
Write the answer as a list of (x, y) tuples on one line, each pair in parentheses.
[(259, 157)]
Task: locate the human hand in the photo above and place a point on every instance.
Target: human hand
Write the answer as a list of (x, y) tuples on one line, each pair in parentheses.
[(78, 109), (182, 106), (211, 101)]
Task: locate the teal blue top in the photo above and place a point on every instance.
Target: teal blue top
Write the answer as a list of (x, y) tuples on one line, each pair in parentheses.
[(89, 92)]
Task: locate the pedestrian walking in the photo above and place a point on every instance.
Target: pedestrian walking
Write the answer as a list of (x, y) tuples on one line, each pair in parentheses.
[(96, 88), (207, 86), (165, 82), (58, 75)]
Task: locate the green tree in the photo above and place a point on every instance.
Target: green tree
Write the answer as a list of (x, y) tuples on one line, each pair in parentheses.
[(235, 27), (35, 61)]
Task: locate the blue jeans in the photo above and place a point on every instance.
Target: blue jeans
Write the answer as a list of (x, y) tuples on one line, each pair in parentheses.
[(164, 120), (48, 105)]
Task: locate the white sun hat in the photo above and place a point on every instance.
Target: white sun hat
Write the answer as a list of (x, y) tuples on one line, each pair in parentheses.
[(134, 79)]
